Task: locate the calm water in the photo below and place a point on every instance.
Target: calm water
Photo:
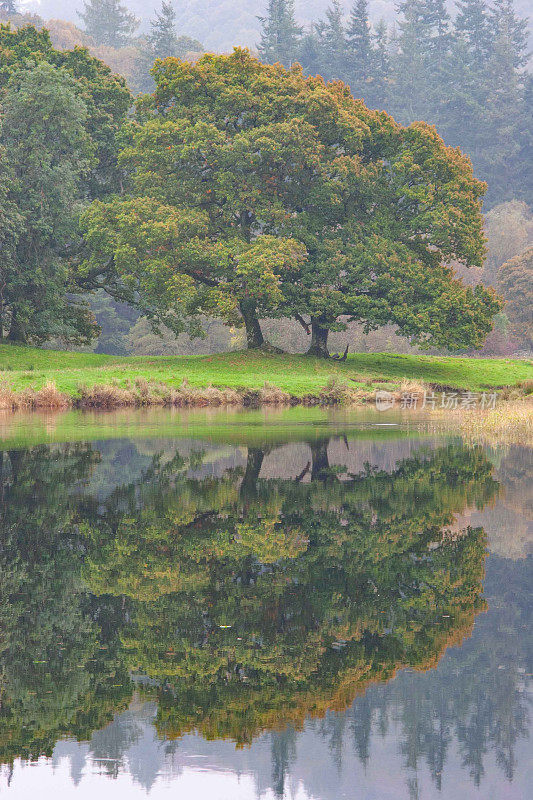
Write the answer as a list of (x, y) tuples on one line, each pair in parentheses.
[(293, 605)]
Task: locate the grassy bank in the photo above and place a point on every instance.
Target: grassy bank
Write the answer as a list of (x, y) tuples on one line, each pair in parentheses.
[(76, 376)]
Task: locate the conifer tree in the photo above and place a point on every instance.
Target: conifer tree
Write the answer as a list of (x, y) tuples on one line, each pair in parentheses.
[(332, 39), (503, 124), (525, 158), (473, 28), (423, 60), (280, 34), (360, 51), (506, 25), (9, 6), (310, 54), (469, 78), (108, 22), (409, 64), (163, 39), (381, 70), (483, 108), (472, 47)]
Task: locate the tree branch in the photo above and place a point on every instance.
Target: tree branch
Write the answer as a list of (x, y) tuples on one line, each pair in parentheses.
[(303, 323)]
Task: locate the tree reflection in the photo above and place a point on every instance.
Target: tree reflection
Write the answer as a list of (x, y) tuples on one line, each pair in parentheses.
[(58, 675), (254, 603), (242, 604)]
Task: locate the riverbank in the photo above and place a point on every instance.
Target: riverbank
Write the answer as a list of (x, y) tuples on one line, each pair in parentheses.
[(32, 378)]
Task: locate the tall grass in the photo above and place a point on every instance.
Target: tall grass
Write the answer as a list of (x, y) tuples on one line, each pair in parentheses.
[(46, 397), (508, 423)]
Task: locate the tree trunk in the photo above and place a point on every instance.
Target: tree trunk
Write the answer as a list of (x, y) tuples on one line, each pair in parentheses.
[(319, 339), (320, 460), (254, 335), (16, 331), (248, 490)]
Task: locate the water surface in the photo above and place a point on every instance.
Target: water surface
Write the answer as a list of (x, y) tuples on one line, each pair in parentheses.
[(295, 604)]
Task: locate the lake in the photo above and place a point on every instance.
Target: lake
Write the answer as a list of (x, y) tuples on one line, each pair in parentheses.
[(298, 603)]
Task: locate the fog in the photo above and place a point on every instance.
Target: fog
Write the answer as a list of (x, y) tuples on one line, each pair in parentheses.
[(207, 20)]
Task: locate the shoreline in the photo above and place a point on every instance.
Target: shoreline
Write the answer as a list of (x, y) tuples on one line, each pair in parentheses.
[(141, 393)]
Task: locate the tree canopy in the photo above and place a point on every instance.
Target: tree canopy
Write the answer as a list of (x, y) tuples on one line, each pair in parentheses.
[(60, 112), (262, 191), (104, 94), (49, 153), (467, 75)]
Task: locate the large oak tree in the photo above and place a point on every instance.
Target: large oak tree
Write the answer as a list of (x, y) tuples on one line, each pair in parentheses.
[(264, 191)]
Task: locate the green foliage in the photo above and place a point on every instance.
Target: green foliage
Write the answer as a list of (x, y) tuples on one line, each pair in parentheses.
[(49, 153), (361, 53), (60, 115), (238, 593), (257, 190), (472, 25), (421, 62), (468, 76), (162, 42), (331, 39), (184, 268), (60, 676), (105, 95), (163, 39)]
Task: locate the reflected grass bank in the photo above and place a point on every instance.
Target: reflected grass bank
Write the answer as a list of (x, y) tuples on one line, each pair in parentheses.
[(235, 426)]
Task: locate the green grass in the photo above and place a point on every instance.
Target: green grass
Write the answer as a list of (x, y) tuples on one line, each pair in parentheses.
[(27, 367)]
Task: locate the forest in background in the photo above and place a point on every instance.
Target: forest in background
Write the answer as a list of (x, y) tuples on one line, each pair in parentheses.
[(467, 73), (223, 24)]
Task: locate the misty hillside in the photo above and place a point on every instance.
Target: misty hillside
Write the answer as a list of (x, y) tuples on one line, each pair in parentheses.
[(219, 24), (222, 24)]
